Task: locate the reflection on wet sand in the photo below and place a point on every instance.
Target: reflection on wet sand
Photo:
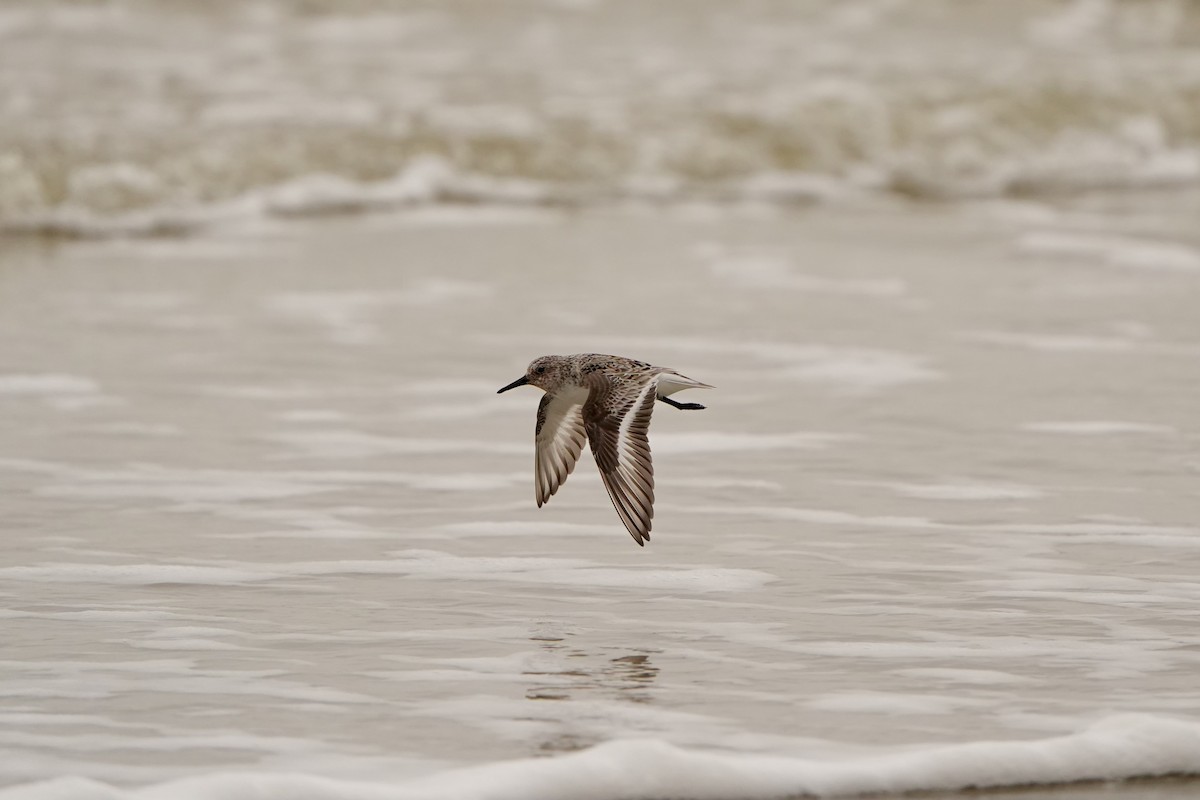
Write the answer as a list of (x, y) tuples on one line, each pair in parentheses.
[(585, 676), (626, 677)]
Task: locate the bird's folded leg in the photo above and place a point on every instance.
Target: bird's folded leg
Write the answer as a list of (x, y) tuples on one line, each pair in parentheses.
[(683, 406)]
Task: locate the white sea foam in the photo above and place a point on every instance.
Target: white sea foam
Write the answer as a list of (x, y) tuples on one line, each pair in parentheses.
[(453, 411), (184, 644), (980, 677), (136, 574), (314, 415), (249, 487), (337, 444), (1132, 533), (413, 563), (82, 678), (152, 429), (553, 571), (59, 391), (216, 486), (1114, 748), (1112, 250), (669, 442), (962, 490), (92, 615), (530, 528), (815, 516), (755, 484), (863, 370), (1085, 343), (773, 273), (260, 392), (876, 702), (347, 315), (1097, 427), (326, 523), (787, 187), (47, 384), (1057, 342)]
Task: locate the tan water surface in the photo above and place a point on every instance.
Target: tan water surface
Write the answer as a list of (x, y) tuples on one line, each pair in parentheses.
[(263, 508)]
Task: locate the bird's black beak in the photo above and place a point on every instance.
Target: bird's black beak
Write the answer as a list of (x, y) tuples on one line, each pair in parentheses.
[(521, 381)]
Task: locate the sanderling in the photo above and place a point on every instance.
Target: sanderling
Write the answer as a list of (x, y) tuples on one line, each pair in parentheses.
[(606, 400)]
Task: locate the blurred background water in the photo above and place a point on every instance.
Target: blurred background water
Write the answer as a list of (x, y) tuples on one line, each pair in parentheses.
[(264, 265), (157, 115)]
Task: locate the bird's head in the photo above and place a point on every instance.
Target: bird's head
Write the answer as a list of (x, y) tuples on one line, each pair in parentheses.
[(547, 373)]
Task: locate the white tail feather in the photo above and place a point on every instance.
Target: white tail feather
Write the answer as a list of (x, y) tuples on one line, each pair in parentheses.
[(671, 382)]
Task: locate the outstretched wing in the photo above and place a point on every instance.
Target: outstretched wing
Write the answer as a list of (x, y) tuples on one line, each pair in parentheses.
[(618, 429), (559, 438)]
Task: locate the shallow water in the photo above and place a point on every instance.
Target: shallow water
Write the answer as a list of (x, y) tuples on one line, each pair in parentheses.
[(264, 510)]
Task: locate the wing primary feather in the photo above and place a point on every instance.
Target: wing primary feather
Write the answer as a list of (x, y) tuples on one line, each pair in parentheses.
[(619, 442)]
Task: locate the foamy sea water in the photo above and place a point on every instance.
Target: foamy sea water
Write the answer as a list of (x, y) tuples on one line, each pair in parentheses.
[(143, 117), (269, 532)]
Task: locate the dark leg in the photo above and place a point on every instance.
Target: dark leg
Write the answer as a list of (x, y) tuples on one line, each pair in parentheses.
[(684, 406)]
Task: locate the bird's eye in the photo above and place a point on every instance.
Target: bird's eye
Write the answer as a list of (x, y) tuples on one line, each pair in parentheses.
[(540, 370)]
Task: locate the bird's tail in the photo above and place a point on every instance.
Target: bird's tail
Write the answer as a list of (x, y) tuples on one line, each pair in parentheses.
[(671, 382)]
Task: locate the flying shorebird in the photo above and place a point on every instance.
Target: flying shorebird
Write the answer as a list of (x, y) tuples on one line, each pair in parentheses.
[(606, 400)]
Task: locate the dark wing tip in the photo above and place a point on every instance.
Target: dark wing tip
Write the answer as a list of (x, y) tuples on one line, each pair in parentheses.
[(639, 529)]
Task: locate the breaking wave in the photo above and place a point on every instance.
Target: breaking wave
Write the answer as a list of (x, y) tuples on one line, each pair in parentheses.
[(166, 117), (1115, 748)]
